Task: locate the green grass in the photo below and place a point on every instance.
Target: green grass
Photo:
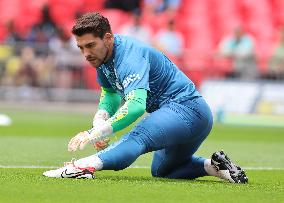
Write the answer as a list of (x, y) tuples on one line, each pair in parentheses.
[(136, 185), (39, 138)]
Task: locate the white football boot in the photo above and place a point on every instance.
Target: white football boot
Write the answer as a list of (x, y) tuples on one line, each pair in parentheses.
[(71, 171), (226, 169)]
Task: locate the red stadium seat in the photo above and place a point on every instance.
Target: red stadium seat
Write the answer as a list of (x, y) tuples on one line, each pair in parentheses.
[(32, 13), (156, 22), (202, 23), (3, 32), (91, 5), (220, 67), (63, 11), (89, 76), (116, 17), (278, 12), (264, 50)]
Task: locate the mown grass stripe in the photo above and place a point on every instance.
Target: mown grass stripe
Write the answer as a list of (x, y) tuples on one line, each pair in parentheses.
[(142, 167)]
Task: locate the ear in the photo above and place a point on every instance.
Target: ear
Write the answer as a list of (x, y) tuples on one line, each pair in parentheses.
[(107, 38)]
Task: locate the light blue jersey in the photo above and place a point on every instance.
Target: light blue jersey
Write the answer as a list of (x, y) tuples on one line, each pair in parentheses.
[(179, 119), (135, 65)]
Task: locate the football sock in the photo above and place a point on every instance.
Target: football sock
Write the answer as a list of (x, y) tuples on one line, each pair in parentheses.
[(209, 168), (90, 161)]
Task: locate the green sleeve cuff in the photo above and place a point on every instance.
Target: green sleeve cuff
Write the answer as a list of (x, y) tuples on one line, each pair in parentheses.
[(133, 108), (109, 100)]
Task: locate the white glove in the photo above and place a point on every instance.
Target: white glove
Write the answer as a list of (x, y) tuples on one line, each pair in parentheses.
[(79, 141), (100, 116), (91, 136)]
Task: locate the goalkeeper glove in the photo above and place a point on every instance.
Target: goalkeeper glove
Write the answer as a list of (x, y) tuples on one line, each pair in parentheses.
[(91, 136), (100, 117)]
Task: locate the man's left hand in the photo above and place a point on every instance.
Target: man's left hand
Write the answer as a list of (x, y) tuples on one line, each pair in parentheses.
[(100, 145), (80, 140)]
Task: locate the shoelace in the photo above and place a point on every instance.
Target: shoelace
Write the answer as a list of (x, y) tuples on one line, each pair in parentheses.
[(91, 169)]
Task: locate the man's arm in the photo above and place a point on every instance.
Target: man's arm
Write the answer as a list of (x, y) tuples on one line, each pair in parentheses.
[(109, 100), (108, 105), (133, 108)]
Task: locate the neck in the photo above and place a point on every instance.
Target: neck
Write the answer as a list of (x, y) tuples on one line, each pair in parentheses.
[(109, 51)]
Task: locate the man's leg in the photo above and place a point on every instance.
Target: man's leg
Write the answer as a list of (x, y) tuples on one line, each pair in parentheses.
[(191, 168), (177, 129), (178, 161), (123, 153), (173, 125)]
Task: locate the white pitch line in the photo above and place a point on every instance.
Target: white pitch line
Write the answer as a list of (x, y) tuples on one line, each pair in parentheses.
[(145, 167), (30, 166), (263, 168)]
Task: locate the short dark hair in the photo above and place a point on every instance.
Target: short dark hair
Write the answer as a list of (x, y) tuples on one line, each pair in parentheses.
[(93, 23)]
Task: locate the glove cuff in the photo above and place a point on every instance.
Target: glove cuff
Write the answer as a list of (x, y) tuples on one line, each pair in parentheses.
[(101, 116), (100, 131)]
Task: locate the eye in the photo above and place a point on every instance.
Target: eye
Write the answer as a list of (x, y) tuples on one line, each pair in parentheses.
[(90, 45)]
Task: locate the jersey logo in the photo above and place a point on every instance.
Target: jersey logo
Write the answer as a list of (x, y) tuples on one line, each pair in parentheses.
[(130, 78), (118, 85)]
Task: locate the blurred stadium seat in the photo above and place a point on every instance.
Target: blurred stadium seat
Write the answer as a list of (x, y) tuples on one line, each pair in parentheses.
[(91, 5), (202, 23), (64, 12), (117, 18), (90, 75)]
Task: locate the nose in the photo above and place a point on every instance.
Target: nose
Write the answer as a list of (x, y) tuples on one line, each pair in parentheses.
[(86, 53)]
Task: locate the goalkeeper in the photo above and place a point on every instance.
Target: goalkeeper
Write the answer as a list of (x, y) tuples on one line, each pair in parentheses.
[(179, 119)]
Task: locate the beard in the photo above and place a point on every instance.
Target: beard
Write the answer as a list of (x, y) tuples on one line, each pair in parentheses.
[(96, 61)]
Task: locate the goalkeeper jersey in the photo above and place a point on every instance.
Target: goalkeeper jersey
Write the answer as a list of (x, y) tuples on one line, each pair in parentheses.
[(135, 65)]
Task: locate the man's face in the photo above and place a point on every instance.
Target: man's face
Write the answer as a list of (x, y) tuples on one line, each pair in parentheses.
[(95, 49)]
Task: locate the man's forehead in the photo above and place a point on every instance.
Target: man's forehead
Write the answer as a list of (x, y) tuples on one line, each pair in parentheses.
[(85, 39)]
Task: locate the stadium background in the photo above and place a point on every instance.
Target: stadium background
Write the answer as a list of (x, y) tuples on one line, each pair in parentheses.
[(64, 76), (44, 101)]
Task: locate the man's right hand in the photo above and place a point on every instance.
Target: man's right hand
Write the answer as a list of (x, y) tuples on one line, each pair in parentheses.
[(79, 141), (100, 145)]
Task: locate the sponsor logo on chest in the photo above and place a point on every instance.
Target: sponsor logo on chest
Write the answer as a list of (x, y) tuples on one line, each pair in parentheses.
[(130, 78)]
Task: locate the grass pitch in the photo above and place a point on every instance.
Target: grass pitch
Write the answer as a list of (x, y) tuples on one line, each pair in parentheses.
[(38, 139)]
